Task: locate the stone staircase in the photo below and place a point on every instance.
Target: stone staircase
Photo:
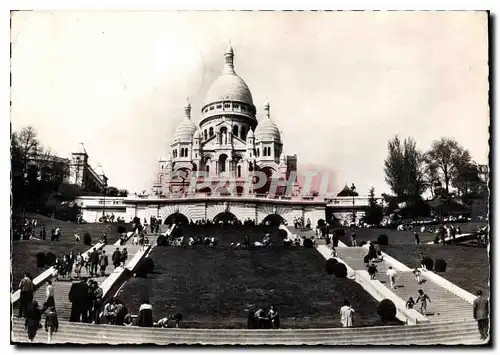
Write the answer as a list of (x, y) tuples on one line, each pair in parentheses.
[(451, 333), (444, 305)]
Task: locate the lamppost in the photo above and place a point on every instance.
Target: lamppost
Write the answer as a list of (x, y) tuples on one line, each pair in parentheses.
[(353, 193), (105, 189)]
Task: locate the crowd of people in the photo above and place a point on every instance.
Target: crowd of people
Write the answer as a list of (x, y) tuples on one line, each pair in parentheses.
[(298, 223), (260, 319)]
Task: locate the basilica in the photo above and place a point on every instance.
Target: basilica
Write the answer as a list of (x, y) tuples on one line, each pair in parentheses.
[(229, 142)]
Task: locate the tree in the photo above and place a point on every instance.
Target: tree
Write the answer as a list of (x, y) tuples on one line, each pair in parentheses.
[(447, 157), (404, 169), (375, 212)]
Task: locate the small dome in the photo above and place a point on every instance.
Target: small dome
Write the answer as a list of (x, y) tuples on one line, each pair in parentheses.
[(197, 134), (267, 130), (250, 134), (185, 131)]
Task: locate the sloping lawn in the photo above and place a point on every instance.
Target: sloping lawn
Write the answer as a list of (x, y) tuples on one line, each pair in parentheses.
[(213, 287), (467, 266), (23, 257)]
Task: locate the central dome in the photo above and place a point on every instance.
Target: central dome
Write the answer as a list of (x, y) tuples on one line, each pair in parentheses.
[(229, 86)]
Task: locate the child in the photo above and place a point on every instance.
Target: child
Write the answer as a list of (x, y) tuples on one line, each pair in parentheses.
[(410, 303), (417, 274), (372, 271), (346, 314), (51, 323), (334, 252), (423, 298), (353, 239), (392, 277)]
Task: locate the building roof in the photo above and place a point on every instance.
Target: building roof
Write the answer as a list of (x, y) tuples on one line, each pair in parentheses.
[(266, 128)]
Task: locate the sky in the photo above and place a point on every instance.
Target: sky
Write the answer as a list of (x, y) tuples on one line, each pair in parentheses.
[(340, 84)]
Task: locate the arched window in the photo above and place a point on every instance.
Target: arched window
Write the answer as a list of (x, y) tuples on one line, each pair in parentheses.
[(207, 168), (205, 134), (222, 163), (235, 131), (227, 106), (223, 139), (210, 131), (239, 170), (195, 167), (250, 166), (243, 133)]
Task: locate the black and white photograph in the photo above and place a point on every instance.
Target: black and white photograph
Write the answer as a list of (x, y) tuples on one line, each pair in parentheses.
[(250, 178)]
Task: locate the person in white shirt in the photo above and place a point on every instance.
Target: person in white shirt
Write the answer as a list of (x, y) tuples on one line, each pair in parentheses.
[(346, 312), (392, 277)]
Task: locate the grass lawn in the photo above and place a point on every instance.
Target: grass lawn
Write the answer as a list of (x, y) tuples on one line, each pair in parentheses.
[(400, 237), (24, 252), (467, 266), (69, 229), (213, 287)]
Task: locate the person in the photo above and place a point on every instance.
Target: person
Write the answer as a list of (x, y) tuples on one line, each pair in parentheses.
[(274, 317), (410, 303), (372, 270), (346, 312), (94, 260), (33, 317), (417, 273), (104, 239), (26, 295), (44, 233), (135, 240), (480, 311), (109, 311), (392, 277), (78, 265), (372, 252), (334, 252), (116, 257), (422, 262), (77, 238), (145, 318), (417, 237), (103, 262), (49, 297), (353, 239), (77, 296), (51, 323), (423, 298), (124, 256), (260, 317)]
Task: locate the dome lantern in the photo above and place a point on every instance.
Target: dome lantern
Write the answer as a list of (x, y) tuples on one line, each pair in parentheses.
[(187, 108), (267, 129), (228, 60)]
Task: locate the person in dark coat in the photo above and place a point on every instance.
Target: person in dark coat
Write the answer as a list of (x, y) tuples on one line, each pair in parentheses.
[(33, 317), (94, 261), (124, 256), (481, 312), (26, 295), (103, 262), (78, 297), (145, 318), (372, 252), (116, 257)]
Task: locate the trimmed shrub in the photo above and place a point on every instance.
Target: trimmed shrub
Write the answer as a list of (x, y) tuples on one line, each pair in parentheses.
[(40, 260), (330, 265), (282, 234), (144, 267), (50, 259), (87, 240), (362, 243), (366, 259), (321, 223), (308, 243), (428, 262), (386, 310), (340, 270), (383, 239), (436, 240), (340, 233), (162, 240), (121, 229), (440, 265)]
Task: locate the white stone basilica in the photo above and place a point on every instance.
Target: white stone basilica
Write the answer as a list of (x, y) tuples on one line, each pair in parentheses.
[(227, 144)]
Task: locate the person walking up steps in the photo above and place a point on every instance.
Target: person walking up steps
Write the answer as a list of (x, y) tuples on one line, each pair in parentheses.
[(353, 240), (423, 298), (480, 310), (51, 323), (417, 273), (392, 277)]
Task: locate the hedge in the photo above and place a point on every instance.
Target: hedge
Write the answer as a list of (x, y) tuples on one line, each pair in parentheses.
[(145, 267), (428, 263), (50, 259), (386, 310), (40, 259), (362, 243), (87, 240), (121, 229), (308, 243), (383, 239), (282, 234), (440, 265), (340, 270), (330, 265), (162, 240)]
